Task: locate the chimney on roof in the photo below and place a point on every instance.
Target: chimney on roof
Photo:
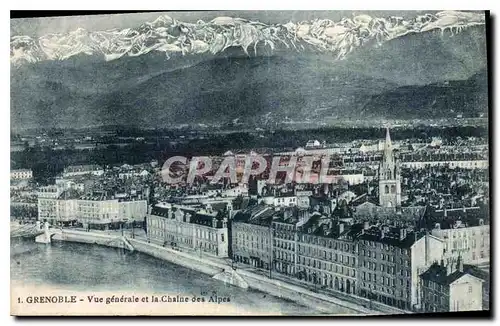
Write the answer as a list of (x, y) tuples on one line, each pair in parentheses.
[(449, 268), (460, 264), (366, 225), (427, 248), (402, 233), (341, 228)]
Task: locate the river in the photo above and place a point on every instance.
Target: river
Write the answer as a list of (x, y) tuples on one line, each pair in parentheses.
[(83, 267)]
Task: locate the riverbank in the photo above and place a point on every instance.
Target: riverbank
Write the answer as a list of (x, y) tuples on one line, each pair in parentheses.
[(321, 302)]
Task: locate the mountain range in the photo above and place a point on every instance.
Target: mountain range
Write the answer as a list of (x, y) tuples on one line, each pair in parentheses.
[(432, 73)]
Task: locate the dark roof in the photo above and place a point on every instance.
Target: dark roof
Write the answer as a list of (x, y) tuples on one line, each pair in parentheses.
[(69, 194), (197, 217), (218, 206), (319, 200), (284, 194), (365, 198), (353, 231), (391, 238), (438, 274), (477, 272), (159, 211), (469, 217), (255, 215)]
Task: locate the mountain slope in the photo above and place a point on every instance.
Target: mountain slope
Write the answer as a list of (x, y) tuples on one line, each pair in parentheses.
[(397, 79), (468, 98)]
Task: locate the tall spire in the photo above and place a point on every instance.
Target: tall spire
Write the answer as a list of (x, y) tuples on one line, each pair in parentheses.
[(387, 145)]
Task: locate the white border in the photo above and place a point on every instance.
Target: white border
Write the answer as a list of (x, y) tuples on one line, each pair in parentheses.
[(357, 5)]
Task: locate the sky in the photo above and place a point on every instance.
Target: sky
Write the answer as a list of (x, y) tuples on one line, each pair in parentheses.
[(40, 26)]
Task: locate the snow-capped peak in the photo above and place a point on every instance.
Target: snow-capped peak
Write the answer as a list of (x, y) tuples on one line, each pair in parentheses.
[(169, 36)]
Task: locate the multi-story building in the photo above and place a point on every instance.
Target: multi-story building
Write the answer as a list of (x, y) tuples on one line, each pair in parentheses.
[(303, 198), (21, 174), (382, 263), (327, 254), (62, 207), (251, 236), (51, 191), (75, 170), (448, 287), (47, 209), (285, 239), (187, 228), (47, 203), (390, 262), (369, 211), (452, 160), (96, 210), (467, 237), (285, 200), (133, 210)]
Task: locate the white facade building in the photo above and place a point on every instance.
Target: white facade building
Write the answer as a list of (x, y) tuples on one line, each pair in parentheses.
[(76, 170), (189, 229), (21, 174)]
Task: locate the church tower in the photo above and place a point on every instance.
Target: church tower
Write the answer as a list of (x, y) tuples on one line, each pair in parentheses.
[(389, 177)]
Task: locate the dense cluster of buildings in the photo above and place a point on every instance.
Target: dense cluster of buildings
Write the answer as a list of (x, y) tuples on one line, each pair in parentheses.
[(403, 230), (69, 207), (368, 245), (87, 196)]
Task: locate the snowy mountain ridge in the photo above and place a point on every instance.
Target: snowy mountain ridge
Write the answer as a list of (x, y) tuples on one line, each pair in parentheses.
[(172, 37)]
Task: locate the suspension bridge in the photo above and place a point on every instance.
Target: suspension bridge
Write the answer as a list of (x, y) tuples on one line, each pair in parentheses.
[(18, 230)]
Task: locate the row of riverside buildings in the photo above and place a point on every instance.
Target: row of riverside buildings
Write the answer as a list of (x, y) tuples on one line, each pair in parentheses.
[(429, 265), (68, 202), (68, 207), (412, 258), (410, 269)]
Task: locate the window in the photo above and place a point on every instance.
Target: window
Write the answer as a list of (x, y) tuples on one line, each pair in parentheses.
[(470, 288)]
